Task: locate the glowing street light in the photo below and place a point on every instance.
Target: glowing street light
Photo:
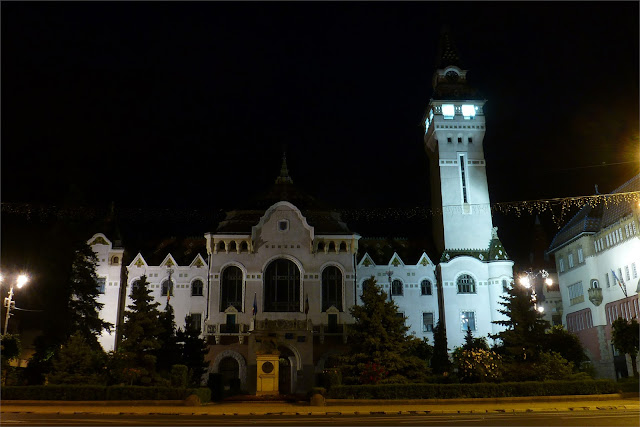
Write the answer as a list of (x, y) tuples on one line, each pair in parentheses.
[(21, 280), (526, 281)]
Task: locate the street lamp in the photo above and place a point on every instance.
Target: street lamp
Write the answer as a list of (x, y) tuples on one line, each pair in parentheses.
[(21, 280), (528, 280)]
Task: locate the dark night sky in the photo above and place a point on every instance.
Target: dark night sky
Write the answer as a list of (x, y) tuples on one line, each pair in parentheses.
[(189, 105)]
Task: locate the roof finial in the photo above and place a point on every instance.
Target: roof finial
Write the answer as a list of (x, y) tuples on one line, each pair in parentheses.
[(284, 177)]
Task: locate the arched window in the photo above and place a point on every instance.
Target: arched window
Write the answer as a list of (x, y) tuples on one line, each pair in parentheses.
[(244, 247), (321, 247), (232, 246), (231, 288), (466, 284), (197, 288), (282, 286), (343, 247), (396, 288), (221, 246), (331, 288), (332, 247), (425, 287), (167, 288)]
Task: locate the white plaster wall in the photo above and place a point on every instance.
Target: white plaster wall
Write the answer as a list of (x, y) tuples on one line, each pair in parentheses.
[(286, 246), (412, 303)]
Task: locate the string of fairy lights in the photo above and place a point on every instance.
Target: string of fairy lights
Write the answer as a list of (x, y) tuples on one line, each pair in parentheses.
[(557, 208)]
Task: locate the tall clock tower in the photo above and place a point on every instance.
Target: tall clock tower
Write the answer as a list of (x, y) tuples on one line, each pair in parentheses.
[(454, 133)]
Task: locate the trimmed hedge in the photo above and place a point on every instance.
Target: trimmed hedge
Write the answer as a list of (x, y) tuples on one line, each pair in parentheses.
[(452, 391), (94, 392)]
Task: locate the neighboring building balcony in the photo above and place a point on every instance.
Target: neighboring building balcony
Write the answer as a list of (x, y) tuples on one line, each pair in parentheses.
[(218, 330), (595, 296)]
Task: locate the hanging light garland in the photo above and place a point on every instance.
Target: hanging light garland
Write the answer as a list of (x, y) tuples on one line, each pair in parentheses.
[(559, 208)]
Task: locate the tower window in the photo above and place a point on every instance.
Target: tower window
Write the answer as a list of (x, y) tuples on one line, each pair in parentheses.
[(463, 179), (470, 140), (459, 139), (449, 139), (448, 111)]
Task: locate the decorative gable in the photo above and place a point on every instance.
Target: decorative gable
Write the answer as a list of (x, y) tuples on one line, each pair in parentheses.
[(168, 262), (396, 261), (99, 240), (139, 261), (198, 262), (366, 261), (424, 260)]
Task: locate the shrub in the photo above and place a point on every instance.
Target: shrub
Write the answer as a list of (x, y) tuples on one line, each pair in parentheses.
[(478, 365), (331, 377), (179, 374), (94, 392), (450, 391), (552, 366)]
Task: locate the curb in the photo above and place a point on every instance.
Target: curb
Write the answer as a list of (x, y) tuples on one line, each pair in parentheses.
[(342, 413)]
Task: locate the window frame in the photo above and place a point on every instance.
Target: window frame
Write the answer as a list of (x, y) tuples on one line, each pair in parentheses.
[(429, 287), (201, 288), (238, 282), (274, 283), (425, 326), (472, 286), (395, 285), (473, 318)]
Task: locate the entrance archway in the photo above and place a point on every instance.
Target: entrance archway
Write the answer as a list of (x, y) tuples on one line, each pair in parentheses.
[(242, 366), (229, 369)]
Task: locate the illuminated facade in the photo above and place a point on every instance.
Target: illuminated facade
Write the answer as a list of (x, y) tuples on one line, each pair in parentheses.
[(286, 270), (597, 257)]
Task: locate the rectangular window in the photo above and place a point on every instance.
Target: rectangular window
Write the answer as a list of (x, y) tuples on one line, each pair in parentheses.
[(467, 320), (626, 272), (196, 320), (463, 179), (576, 293), (561, 265), (425, 287), (580, 256), (634, 270), (570, 260), (396, 288), (595, 245), (427, 322), (449, 139), (620, 274), (459, 139), (448, 111), (606, 276), (470, 140), (102, 281)]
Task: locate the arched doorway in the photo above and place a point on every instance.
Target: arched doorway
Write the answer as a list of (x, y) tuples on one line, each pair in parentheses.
[(229, 369), (287, 372)]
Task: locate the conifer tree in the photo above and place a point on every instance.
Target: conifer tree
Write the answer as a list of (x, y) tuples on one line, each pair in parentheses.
[(83, 306), (379, 340), (524, 337), (194, 350), (142, 329), (170, 353), (77, 362), (440, 362)]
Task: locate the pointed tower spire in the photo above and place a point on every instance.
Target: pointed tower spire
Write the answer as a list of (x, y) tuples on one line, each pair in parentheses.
[(284, 177), (447, 52)]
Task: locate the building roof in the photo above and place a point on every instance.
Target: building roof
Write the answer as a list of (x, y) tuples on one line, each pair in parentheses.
[(381, 249), (593, 219)]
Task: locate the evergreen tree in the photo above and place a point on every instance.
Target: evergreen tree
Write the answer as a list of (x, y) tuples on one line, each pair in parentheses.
[(77, 362), (194, 350), (625, 338), (83, 306), (471, 343), (170, 353), (524, 336), (440, 362), (379, 340), (566, 344), (141, 330)]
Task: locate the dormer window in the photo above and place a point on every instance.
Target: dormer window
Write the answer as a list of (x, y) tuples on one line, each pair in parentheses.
[(283, 225)]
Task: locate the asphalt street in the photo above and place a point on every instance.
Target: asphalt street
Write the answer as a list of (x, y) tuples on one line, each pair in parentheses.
[(611, 417)]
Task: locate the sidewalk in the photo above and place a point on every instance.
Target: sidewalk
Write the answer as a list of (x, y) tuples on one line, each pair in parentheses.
[(334, 407)]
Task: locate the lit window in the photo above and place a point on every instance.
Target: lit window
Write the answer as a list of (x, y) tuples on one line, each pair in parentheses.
[(396, 288), (427, 322), (426, 287), (561, 265), (431, 115), (448, 111), (468, 111), (466, 284), (101, 284), (467, 321)]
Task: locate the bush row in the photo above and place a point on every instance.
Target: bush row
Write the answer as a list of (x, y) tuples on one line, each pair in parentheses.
[(452, 391), (94, 392)]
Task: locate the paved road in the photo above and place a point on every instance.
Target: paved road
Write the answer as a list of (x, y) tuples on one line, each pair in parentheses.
[(610, 417)]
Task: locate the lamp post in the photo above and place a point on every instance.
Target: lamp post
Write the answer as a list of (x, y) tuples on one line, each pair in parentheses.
[(21, 280), (527, 280)]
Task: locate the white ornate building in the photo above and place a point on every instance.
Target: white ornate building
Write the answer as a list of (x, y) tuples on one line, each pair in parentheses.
[(301, 267), (597, 257)]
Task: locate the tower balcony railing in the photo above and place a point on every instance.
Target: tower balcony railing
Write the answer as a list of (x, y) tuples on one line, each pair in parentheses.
[(218, 330)]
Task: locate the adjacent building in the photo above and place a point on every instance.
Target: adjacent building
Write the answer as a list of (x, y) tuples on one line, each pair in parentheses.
[(597, 257)]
